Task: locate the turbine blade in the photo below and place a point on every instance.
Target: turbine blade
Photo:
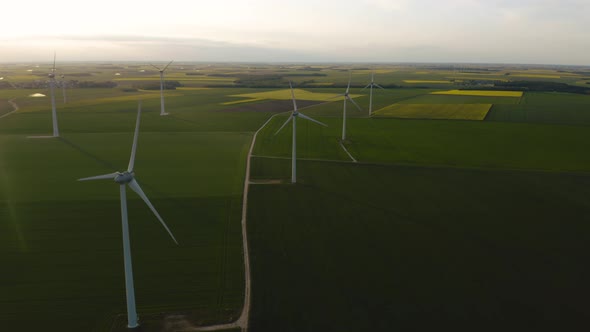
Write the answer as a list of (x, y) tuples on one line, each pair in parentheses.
[(379, 86), (53, 70), (312, 120), (293, 97), (337, 96), (135, 187), (349, 79), (169, 63), (100, 177), (135, 136), (355, 104), (155, 67), (368, 85), (284, 124)]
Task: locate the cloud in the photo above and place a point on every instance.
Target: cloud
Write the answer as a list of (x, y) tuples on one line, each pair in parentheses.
[(146, 48), (311, 30)]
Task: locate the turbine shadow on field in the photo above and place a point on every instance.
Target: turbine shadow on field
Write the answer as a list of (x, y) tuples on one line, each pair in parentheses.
[(87, 154)]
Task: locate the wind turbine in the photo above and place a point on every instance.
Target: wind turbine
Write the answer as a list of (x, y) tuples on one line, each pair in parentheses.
[(347, 97), (371, 85), (128, 178), (294, 115), (162, 111), (52, 88)]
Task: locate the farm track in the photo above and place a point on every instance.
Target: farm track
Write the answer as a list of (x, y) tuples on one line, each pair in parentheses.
[(242, 322), (14, 105)]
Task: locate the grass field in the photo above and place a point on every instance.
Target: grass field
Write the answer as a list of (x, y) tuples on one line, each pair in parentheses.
[(435, 111), (53, 221), (473, 144), (466, 225), (60, 239), (382, 248), (545, 107), (483, 93)]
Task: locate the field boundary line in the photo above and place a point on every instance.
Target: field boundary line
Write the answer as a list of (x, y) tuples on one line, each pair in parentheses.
[(436, 166), (348, 153), (14, 105), (307, 159)]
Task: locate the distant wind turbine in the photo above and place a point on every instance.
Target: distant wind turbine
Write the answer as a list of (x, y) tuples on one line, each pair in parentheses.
[(162, 110), (294, 115), (128, 178), (347, 97), (52, 88), (371, 85)]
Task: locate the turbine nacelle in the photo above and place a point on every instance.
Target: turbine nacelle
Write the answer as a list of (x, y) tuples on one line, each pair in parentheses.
[(124, 178)]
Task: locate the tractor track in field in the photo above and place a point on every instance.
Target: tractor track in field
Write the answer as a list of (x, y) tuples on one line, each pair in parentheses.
[(242, 322), (14, 106)]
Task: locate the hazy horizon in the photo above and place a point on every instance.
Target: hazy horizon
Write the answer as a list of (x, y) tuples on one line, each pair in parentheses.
[(263, 31)]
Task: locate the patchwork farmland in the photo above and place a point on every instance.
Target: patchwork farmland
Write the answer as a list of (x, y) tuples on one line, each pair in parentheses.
[(437, 222)]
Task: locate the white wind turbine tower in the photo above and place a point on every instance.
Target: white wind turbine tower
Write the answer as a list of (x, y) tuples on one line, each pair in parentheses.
[(128, 178), (347, 97), (294, 115), (371, 85), (162, 111), (52, 88)]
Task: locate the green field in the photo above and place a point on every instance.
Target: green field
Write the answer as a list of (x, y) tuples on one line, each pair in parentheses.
[(441, 224), (382, 248), (468, 225), (60, 239), (435, 111), (473, 144), (545, 107)]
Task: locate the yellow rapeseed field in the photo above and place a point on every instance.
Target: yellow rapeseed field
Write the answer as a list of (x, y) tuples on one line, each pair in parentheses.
[(285, 94), (426, 82), (435, 111), (483, 93), (536, 75)]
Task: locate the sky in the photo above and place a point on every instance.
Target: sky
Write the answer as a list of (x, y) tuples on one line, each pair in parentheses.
[(458, 31)]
